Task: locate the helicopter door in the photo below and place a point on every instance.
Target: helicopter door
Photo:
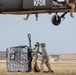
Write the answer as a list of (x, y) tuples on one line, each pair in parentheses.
[(10, 4), (0, 5)]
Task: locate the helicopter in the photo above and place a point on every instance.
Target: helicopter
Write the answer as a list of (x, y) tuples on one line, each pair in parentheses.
[(19, 7)]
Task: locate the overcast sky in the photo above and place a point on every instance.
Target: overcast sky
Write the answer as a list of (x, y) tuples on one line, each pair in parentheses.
[(58, 39)]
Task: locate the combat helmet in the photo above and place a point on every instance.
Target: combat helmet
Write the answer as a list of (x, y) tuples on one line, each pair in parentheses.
[(43, 45), (37, 44)]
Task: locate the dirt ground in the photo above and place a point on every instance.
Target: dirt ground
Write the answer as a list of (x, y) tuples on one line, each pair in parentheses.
[(58, 68)]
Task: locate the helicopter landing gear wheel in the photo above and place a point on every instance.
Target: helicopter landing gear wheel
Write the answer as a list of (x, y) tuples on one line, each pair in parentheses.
[(56, 20)]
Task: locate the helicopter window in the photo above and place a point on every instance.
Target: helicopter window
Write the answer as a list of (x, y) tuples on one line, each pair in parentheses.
[(61, 1)]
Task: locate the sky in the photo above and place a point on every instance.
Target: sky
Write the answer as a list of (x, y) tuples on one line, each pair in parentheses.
[(58, 39)]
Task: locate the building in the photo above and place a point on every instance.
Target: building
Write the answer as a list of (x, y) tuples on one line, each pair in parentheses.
[(54, 57), (67, 57), (2, 56), (63, 57)]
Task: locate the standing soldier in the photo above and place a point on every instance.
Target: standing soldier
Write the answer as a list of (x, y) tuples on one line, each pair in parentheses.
[(36, 15), (45, 59), (72, 5), (35, 52)]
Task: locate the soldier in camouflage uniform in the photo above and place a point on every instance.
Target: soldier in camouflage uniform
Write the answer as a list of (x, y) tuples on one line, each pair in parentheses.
[(56, 4), (35, 52), (28, 16), (72, 5), (45, 59)]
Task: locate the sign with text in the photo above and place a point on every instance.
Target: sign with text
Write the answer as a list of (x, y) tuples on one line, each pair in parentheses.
[(39, 2)]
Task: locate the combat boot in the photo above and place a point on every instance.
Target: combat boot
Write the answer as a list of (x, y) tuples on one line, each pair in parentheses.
[(32, 72), (25, 18), (36, 15), (41, 71), (51, 71), (71, 15), (36, 18)]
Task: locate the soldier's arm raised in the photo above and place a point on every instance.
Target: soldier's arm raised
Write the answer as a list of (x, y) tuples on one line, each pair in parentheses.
[(35, 50)]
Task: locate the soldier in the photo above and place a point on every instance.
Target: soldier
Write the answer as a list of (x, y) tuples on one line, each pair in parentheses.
[(35, 52), (36, 15), (72, 5), (45, 59), (56, 4)]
